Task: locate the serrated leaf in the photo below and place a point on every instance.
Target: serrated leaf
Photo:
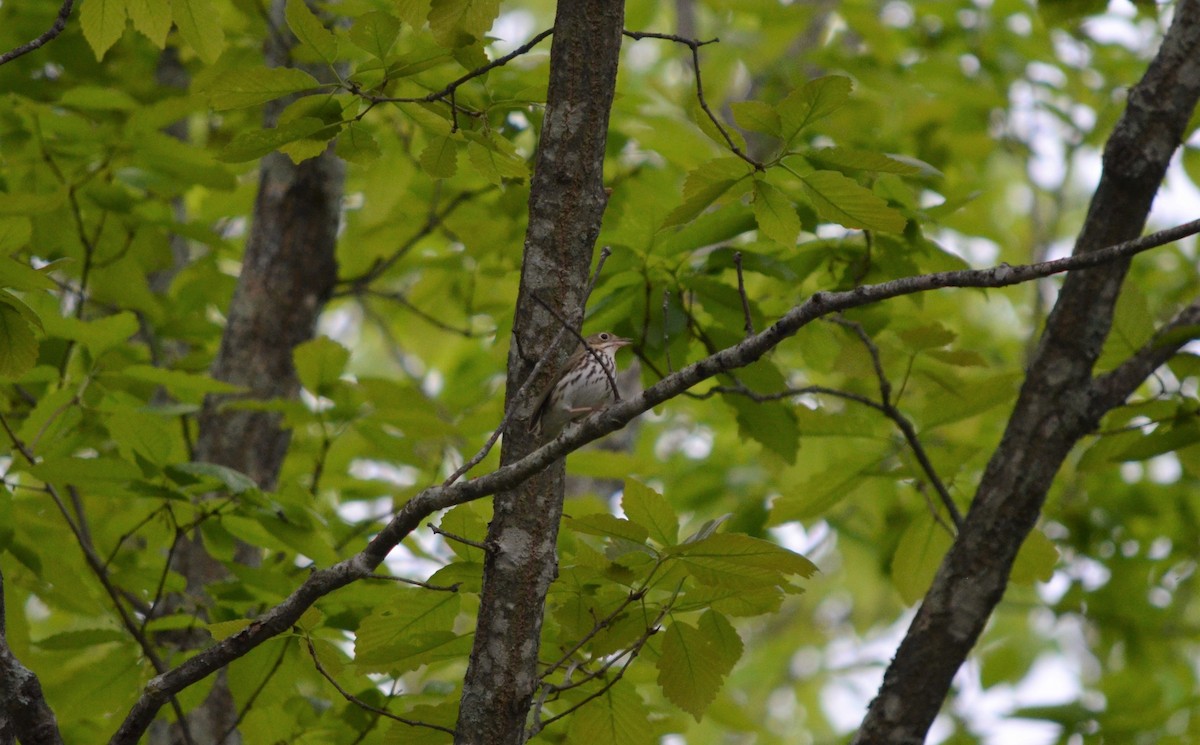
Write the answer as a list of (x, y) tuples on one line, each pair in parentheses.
[(397, 625), (152, 18), (496, 162), (310, 31), (257, 143), (18, 345), (772, 425), (776, 214), (356, 144), (457, 23), (756, 116), (812, 101), (730, 559), (618, 716), (320, 363), (842, 200), (609, 526), (413, 12), (918, 554), (200, 25), (98, 335), (440, 157), (248, 86), (222, 630), (652, 511), (694, 663), (375, 33), (704, 185), (862, 160), (103, 22)]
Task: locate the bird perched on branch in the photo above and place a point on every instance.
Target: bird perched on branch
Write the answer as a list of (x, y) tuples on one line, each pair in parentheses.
[(587, 384)]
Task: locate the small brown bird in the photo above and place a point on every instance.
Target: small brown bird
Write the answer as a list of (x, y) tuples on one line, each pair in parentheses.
[(583, 387)]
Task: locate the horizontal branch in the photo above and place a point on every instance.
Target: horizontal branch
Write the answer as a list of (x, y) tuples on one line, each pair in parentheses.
[(60, 23), (435, 498)]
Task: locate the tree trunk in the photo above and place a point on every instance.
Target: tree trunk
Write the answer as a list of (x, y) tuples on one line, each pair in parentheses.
[(1059, 402), (566, 205)]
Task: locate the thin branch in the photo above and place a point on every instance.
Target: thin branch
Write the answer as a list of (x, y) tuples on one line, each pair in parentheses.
[(432, 320), (410, 516), (605, 252), (449, 90), (437, 588), (465, 541), (363, 704), (666, 338), (60, 24), (737, 261), (695, 45)]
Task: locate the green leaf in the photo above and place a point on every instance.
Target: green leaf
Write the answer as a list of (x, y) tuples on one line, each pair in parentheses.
[(413, 12), (917, 557), (15, 233), (440, 157), (772, 425), (310, 31), (496, 159), (186, 386), (143, 434), (200, 25), (98, 335), (18, 345), (103, 22), (235, 481), (1036, 560), (609, 526), (356, 144), (842, 200), (81, 639), (395, 627), (375, 33), (704, 185), (650, 510), (756, 116), (927, 336), (24, 203), (320, 363), (861, 160), (695, 661), (814, 100), (257, 143), (618, 716), (458, 23), (776, 214), (152, 18), (84, 471), (730, 559), (248, 86)]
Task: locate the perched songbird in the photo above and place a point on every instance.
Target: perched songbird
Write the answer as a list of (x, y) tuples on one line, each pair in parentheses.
[(583, 387)]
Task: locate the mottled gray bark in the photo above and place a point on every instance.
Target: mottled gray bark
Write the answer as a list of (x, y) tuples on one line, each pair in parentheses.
[(287, 276), (567, 201), (1059, 402)]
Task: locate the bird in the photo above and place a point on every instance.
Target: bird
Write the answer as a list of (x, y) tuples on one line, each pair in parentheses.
[(584, 386)]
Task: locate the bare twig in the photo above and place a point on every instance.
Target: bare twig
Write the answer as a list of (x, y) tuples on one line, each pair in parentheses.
[(737, 261), (312, 652), (666, 338), (454, 537), (437, 588), (60, 24), (695, 45)]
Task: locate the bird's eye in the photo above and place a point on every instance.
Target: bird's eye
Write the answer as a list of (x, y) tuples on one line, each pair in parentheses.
[(603, 337)]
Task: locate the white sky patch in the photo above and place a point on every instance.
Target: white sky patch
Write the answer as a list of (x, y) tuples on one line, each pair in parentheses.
[(511, 30)]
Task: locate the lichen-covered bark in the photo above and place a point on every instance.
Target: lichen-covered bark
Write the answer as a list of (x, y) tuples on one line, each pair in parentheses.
[(1059, 402), (566, 204)]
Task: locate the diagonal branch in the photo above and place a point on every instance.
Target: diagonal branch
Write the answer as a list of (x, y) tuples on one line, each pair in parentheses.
[(321, 582), (60, 24)]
